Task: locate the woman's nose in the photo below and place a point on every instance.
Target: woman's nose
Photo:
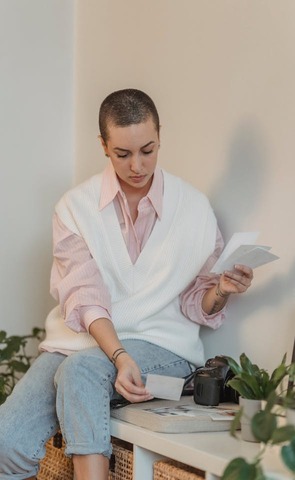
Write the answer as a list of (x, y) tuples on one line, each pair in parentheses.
[(135, 164)]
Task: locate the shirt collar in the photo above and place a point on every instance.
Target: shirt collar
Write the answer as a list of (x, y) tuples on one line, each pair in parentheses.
[(111, 187)]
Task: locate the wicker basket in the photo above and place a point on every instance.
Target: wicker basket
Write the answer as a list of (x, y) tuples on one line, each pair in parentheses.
[(57, 466), (121, 464), (172, 470)]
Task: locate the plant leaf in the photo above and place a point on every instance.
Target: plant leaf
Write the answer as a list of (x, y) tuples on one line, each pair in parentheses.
[(13, 360), (277, 376), (263, 425), (19, 366), (235, 424), (272, 399), (2, 336), (291, 371), (289, 400), (283, 434), (239, 469), (247, 365), (264, 384), (237, 384), (252, 382), (234, 366), (288, 455), (259, 473), (38, 332)]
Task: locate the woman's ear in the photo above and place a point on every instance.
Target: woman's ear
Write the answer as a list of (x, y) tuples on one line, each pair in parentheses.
[(103, 144)]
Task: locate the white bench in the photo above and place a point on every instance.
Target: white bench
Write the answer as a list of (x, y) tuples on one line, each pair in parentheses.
[(208, 451)]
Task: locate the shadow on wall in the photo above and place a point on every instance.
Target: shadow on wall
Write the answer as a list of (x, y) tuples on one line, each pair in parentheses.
[(236, 196), (240, 188)]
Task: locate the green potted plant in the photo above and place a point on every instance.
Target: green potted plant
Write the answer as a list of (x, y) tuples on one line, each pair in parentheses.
[(14, 359), (268, 428), (253, 384)]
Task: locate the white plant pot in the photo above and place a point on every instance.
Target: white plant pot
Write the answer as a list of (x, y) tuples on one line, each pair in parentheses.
[(250, 407), (290, 416)]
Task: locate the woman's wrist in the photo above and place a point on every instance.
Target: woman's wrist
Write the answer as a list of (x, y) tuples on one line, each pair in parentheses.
[(214, 300), (116, 354), (219, 292)]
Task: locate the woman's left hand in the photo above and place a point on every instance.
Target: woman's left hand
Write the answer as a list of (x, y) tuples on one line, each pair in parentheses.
[(237, 280)]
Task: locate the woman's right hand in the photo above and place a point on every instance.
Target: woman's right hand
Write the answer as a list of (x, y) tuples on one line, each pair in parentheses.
[(128, 382)]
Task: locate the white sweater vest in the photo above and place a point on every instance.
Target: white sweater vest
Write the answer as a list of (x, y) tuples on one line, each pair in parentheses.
[(145, 295)]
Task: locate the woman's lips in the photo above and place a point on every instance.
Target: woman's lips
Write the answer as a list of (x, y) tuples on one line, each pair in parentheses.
[(138, 178)]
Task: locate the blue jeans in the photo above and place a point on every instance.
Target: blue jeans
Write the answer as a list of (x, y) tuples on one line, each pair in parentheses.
[(72, 393)]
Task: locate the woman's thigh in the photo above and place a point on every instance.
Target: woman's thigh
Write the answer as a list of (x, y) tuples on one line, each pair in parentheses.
[(149, 357), (157, 360)]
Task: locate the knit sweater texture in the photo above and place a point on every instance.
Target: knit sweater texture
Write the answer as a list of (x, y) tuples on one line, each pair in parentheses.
[(145, 295)]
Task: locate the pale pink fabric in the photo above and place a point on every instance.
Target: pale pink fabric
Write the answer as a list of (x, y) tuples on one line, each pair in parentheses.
[(76, 282)]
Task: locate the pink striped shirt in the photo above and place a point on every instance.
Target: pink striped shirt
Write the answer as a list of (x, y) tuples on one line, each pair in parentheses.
[(74, 269)]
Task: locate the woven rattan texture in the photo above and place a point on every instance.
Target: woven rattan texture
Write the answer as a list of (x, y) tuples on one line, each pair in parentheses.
[(56, 466), (170, 470), (122, 460)]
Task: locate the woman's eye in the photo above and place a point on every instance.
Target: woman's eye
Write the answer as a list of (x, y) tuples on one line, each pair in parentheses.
[(147, 153), (122, 156)]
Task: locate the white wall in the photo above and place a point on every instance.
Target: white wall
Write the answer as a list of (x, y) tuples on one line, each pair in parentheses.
[(222, 74), (36, 149)]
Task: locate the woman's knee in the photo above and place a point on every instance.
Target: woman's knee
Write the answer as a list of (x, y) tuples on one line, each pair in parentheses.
[(90, 365)]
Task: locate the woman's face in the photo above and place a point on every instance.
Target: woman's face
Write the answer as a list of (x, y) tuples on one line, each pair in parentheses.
[(133, 151)]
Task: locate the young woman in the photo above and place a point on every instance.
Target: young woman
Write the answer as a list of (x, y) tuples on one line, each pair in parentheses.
[(133, 247)]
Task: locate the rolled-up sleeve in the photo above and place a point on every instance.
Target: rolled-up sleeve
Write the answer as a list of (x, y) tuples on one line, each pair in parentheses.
[(191, 298), (76, 282)]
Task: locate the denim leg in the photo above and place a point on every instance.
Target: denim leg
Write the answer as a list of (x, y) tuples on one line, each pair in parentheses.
[(85, 386), (154, 359), (28, 419)]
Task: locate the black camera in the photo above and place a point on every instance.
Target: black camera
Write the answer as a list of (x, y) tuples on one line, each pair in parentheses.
[(210, 383)]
